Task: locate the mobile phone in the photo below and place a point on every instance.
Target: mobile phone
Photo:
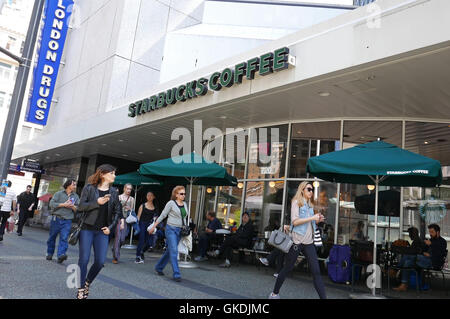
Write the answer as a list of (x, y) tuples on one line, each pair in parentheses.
[(72, 200), (107, 195)]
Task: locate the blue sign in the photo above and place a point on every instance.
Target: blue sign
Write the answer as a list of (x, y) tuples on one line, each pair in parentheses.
[(57, 13)]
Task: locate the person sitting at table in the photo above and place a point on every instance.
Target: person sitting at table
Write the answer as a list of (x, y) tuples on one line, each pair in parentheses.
[(429, 253), (359, 231), (209, 234), (241, 239)]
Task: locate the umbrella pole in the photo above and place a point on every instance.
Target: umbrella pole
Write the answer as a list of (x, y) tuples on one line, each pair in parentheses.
[(375, 237)]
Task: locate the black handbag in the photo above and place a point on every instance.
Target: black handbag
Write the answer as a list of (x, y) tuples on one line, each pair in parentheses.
[(75, 232), (185, 230)]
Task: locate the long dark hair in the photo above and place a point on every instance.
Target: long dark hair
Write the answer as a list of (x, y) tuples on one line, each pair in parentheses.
[(96, 178)]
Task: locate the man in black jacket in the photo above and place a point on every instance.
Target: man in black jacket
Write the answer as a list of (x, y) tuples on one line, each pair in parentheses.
[(241, 239), (26, 201)]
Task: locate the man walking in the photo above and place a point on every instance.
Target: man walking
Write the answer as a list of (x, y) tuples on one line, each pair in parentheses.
[(7, 209), (63, 205), (26, 201)]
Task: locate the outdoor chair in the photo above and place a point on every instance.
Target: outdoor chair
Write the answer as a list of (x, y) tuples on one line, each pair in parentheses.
[(362, 256), (428, 273)]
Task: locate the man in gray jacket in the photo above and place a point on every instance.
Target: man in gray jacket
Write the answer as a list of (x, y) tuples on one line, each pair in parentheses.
[(63, 205)]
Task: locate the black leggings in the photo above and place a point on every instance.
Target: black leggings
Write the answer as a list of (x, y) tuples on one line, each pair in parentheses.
[(311, 255)]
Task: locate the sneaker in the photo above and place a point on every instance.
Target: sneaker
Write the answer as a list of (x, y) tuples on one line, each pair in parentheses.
[(142, 256), (19, 234), (178, 279), (264, 261), (159, 273), (226, 264), (275, 275), (139, 260), (115, 261), (273, 296), (61, 259), (200, 258), (48, 257)]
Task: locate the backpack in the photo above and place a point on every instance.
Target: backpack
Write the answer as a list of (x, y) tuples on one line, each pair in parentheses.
[(339, 264)]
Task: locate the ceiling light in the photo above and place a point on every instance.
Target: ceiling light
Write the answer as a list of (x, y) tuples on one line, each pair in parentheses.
[(426, 142), (141, 152), (120, 141), (58, 154), (272, 184), (223, 117), (47, 157), (209, 190), (103, 144), (299, 132), (159, 150), (240, 185), (294, 155), (154, 133), (370, 187), (124, 155), (316, 184), (324, 94)]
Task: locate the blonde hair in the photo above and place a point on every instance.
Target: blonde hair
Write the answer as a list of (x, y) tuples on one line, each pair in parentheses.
[(300, 198), (175, 191)]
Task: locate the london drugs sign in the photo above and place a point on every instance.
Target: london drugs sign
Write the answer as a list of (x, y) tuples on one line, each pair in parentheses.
[(54, 34)]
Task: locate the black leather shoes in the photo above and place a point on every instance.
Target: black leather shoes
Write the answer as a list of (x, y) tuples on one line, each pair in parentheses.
[(48, 257), (61, 259)]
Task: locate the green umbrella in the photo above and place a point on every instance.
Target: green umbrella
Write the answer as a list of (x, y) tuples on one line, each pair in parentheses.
[(377, 163), (135, 178), (184, 168), (189, 168)]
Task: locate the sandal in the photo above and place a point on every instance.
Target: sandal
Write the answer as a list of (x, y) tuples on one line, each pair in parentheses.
[(86, 289), (80, 294)]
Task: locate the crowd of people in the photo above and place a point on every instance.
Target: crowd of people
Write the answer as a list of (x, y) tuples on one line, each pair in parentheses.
[(101, 212)]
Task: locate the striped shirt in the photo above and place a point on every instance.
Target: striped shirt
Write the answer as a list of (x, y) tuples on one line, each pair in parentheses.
[(7, 200)]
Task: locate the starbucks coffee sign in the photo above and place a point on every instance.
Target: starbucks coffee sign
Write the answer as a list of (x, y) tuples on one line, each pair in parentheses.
[(264, 65)]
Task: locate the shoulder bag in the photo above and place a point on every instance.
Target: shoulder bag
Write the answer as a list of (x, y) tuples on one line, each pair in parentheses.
[(279, 239), (185, 229), (75, 232)]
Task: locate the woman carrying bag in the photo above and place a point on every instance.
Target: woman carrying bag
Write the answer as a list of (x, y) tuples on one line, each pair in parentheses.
[(103, 211), (304, 223), (176, 210)]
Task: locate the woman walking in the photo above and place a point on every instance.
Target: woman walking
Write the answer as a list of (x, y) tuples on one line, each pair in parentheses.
[(103, 211), (127, 203), (146, 215), (177, 210), (304, 223)]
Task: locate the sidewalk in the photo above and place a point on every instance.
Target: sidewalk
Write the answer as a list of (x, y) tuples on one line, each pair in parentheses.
[(26, 274)]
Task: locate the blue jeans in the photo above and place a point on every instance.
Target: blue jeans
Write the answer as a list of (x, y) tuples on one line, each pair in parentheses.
[(62, 227), (99, 240), (409, 261), (145, 239), (172, 239)]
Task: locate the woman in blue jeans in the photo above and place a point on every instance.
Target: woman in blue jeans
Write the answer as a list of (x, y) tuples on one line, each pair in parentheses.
[(146, 215), (175, 210), (102, 211), (304, 225)]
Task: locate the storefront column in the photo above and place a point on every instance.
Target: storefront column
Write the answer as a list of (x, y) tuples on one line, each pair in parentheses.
[(286, 172)]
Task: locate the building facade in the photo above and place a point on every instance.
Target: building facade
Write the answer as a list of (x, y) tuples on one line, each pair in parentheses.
[(329, 77)]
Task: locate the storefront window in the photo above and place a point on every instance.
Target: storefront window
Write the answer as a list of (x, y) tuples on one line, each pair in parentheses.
[(229, 206), (425, 206), (311, 139), (267, 158), (263, 202), (56, 174), (234, 153)]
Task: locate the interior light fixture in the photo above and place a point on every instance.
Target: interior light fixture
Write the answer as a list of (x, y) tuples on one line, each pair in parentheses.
[(324, 94), (370, 187), (272, 184), (240, 185), (316, 184)]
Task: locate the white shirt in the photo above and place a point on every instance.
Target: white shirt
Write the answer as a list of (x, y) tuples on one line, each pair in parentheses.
[(7, 200)]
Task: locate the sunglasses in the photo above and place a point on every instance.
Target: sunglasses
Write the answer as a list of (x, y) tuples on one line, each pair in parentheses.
[(309, 189), (182, 194)]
